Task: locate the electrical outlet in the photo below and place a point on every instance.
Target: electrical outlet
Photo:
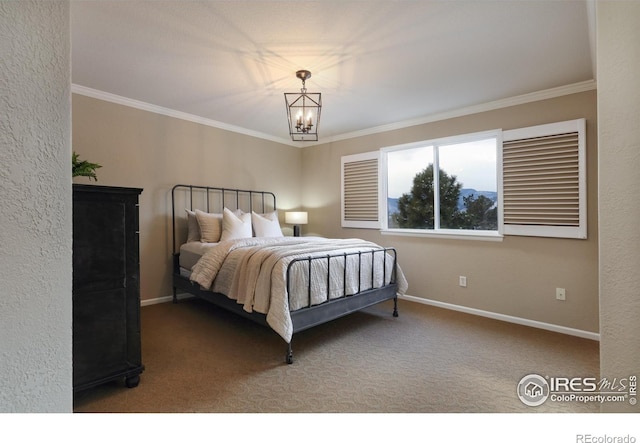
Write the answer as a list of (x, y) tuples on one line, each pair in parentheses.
[(560, 294), (462, 281)]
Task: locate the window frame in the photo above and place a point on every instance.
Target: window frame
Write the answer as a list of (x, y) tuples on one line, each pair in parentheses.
[(437, 232)]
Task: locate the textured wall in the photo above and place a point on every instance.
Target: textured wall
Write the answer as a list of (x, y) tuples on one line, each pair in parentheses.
[(619, 139), (35, 209)]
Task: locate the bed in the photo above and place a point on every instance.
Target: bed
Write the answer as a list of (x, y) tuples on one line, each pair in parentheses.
[(228, 248)]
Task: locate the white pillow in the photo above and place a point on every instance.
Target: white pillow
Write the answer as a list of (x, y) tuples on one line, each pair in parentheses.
[(193, 228), (210, 226), (266, 225), (235, 226)]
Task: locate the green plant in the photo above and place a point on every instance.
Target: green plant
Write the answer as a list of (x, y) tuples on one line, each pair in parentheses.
[(83, 168)]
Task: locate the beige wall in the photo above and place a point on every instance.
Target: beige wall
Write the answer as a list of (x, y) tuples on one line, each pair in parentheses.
[(619, 132), (516, 277), (151, 151)]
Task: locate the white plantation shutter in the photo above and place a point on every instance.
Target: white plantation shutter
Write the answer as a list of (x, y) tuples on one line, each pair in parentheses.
[(544, 180), (360, 190)]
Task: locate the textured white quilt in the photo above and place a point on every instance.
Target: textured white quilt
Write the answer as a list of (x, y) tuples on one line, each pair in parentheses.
[(253, 272)]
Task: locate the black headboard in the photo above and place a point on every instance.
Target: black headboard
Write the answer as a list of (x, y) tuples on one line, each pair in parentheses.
[(214, 199)]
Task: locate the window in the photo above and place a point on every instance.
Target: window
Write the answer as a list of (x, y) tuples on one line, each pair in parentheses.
[(528, 182), (462, 197)]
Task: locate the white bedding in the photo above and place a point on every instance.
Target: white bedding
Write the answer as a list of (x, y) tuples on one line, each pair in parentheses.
[(253, 272)]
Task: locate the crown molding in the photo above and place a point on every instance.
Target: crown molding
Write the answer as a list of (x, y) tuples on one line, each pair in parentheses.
[(574, 88), (113, 98)]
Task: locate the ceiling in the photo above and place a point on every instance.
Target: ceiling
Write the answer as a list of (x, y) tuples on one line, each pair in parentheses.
[(378, 64)]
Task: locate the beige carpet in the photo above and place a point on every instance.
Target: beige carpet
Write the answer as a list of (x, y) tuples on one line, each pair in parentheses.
[(199, 358)]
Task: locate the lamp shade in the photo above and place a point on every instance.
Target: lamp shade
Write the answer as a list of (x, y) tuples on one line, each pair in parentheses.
[(295, 218)]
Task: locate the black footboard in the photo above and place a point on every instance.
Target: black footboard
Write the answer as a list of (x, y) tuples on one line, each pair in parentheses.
[(346, 302)]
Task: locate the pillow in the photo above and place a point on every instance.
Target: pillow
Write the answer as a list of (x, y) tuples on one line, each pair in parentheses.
[(235, 226), (210, 226), (266, 225), (193, 228)]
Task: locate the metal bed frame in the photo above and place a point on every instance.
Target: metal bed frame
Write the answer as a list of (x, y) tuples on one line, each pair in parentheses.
[(306, 317)]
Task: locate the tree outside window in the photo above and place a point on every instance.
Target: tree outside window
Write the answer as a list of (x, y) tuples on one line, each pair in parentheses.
[(457, 205)]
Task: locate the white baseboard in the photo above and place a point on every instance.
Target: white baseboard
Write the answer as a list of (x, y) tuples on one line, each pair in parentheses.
[(508, 318), (168, 298)]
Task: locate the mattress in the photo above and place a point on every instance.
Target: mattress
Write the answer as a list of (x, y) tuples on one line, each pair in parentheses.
[(190, 253)]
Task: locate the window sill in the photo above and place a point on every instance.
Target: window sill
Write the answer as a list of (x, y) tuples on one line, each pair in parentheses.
[(446, 234)]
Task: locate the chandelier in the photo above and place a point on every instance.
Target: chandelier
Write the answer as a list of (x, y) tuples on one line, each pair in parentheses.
[(303, 111)]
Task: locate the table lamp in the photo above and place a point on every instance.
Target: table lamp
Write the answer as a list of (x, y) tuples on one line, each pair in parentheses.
[(296, 219)]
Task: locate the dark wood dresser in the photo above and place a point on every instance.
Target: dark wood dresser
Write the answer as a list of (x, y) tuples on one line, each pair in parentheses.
[(106, 286)]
